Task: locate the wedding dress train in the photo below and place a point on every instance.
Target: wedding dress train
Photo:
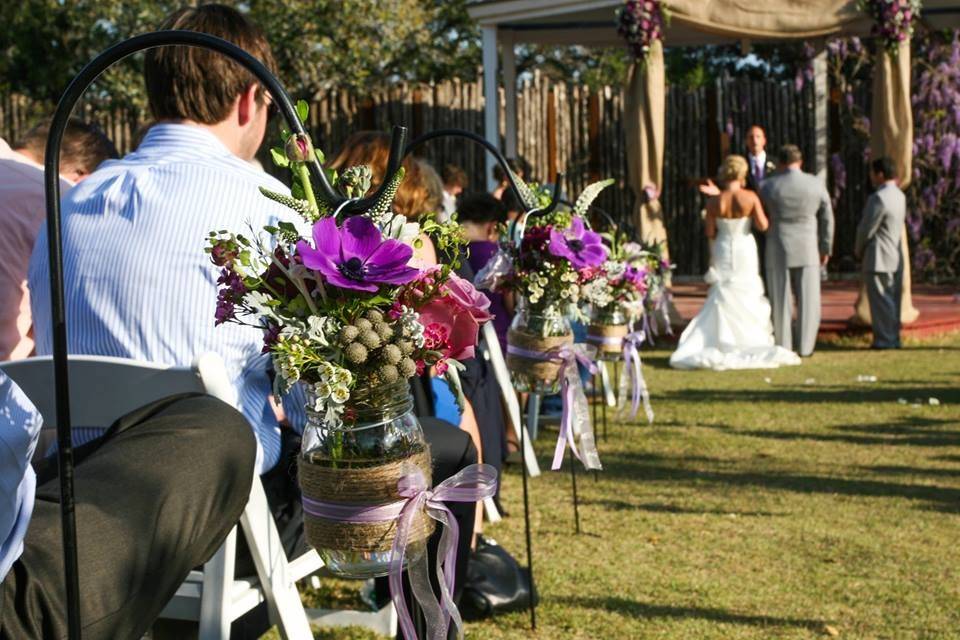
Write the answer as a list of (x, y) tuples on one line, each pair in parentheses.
[(734, 329)]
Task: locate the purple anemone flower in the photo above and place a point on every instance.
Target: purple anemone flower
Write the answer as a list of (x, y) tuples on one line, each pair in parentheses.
[(583, 248), (356, 256)]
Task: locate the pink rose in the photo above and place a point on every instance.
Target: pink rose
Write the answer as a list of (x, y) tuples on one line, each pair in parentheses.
[(466, 295), (452, 320)]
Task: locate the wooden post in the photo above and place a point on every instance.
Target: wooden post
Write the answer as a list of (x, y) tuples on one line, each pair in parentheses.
[(821, 110), (593, 133), (509, 94), (551, 136)]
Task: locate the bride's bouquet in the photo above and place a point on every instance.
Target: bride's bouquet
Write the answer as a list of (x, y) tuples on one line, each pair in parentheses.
[(346, 316)]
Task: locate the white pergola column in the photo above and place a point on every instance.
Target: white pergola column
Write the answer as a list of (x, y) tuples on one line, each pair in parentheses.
[(491, 95), (509, 58)]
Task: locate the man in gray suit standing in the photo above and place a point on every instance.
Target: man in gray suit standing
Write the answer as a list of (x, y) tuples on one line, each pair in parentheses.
[(878, 246), (799, 242)]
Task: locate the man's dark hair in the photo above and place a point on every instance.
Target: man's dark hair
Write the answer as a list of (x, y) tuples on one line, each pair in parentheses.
[(884, 166), (454, 176), (789, 154), (480, 208), (84, 146), (757, 126), (518, 165), (511, 201), (190, 83)]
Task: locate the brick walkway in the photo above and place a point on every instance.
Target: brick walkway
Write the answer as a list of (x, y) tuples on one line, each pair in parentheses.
[(939, 307)]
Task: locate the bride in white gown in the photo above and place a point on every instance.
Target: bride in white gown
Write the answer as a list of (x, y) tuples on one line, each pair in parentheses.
[(733, 329)]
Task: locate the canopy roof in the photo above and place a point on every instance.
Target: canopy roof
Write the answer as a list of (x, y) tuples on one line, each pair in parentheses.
[(693, 22)]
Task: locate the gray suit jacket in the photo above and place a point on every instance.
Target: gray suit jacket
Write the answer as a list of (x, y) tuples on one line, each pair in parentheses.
[(880, 230), (801, 219)]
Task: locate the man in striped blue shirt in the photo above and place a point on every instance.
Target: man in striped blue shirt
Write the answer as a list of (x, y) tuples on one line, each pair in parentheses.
[(138, 283)]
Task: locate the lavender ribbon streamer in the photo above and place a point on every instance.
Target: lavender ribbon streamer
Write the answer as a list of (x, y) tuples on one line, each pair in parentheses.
[(490, 276), (576, 414), (664, 309), (472, 484), (634, 371)]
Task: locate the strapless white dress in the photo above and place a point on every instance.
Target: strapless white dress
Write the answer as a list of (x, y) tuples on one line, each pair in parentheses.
[(733, 329)]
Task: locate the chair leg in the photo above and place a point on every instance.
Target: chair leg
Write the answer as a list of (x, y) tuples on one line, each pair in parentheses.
[(216, 599), (279, 588)]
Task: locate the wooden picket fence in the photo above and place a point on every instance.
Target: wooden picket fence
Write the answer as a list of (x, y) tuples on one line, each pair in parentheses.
[(566, 128)]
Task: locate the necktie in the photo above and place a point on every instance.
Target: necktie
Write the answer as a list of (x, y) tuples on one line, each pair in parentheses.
[(757, 171)]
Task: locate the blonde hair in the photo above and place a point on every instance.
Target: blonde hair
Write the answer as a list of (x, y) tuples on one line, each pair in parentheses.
[(734, 168)]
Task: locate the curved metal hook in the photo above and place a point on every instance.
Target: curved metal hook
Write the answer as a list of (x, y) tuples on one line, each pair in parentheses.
[(68, 101), (494, 151)]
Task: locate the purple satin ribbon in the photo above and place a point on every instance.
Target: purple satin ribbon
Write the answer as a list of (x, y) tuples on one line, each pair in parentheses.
[(633, 369), (568, 357), (473, 484)]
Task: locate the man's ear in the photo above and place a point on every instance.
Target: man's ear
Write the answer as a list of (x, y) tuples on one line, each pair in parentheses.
[(247, 105)]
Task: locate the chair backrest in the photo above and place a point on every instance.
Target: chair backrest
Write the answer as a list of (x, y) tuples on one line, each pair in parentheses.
[(102, 389)]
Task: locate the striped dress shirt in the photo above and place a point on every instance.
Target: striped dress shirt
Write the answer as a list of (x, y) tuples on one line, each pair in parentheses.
[(137, 281)]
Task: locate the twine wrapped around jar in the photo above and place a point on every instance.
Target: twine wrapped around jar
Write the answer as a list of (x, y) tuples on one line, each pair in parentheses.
[(373, 486), (545, 371), (608, 338)]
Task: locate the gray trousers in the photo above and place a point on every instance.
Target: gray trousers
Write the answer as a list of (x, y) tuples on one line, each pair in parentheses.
[(802, 283), (883, 292)]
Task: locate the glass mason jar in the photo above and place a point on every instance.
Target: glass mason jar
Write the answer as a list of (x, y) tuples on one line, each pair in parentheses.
[(359, 463), (536, 331), (608, 327)]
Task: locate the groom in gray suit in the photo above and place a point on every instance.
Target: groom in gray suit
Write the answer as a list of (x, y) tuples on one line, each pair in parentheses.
[(878, 246), (799, 242)]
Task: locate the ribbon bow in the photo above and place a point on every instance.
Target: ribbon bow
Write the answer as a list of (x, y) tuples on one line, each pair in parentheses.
[(472, 484), (576, 414), (634, 371)]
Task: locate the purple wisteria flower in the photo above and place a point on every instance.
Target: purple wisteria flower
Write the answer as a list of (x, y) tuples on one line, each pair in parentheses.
[(582, 247), (356, 256)]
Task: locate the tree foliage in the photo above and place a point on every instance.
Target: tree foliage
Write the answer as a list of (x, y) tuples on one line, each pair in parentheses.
[(357, 44)]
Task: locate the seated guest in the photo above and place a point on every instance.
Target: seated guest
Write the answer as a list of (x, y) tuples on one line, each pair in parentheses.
[(155, 497), (22, 212), (454, 182), (520, 167), (480, 215), (138, 283)]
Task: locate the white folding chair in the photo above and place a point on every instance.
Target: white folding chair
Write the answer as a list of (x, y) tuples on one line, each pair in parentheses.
[(493, 354), (101, 390)]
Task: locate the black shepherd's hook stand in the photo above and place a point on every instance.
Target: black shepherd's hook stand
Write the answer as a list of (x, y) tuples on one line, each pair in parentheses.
[(534, 400), (69, 100)]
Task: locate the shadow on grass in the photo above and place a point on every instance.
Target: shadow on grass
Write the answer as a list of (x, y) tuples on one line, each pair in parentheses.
[(897, 470), (814, 394), (649, 467), (654, 507), (646, 610), (907, 431)]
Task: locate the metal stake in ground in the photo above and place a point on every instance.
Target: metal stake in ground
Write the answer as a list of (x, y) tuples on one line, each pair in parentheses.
[(576, 499), (533, 411)]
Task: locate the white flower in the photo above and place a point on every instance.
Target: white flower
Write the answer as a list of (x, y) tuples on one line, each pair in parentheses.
[(343, 377), (614, 268), (400, 229), (340, 394), (322, 389)]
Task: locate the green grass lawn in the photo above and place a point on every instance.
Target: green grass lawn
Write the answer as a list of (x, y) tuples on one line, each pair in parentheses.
[(792, 503)]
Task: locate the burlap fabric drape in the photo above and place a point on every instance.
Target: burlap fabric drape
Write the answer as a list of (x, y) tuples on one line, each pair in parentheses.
[(645, 106), (768, 19), (891, 134)]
